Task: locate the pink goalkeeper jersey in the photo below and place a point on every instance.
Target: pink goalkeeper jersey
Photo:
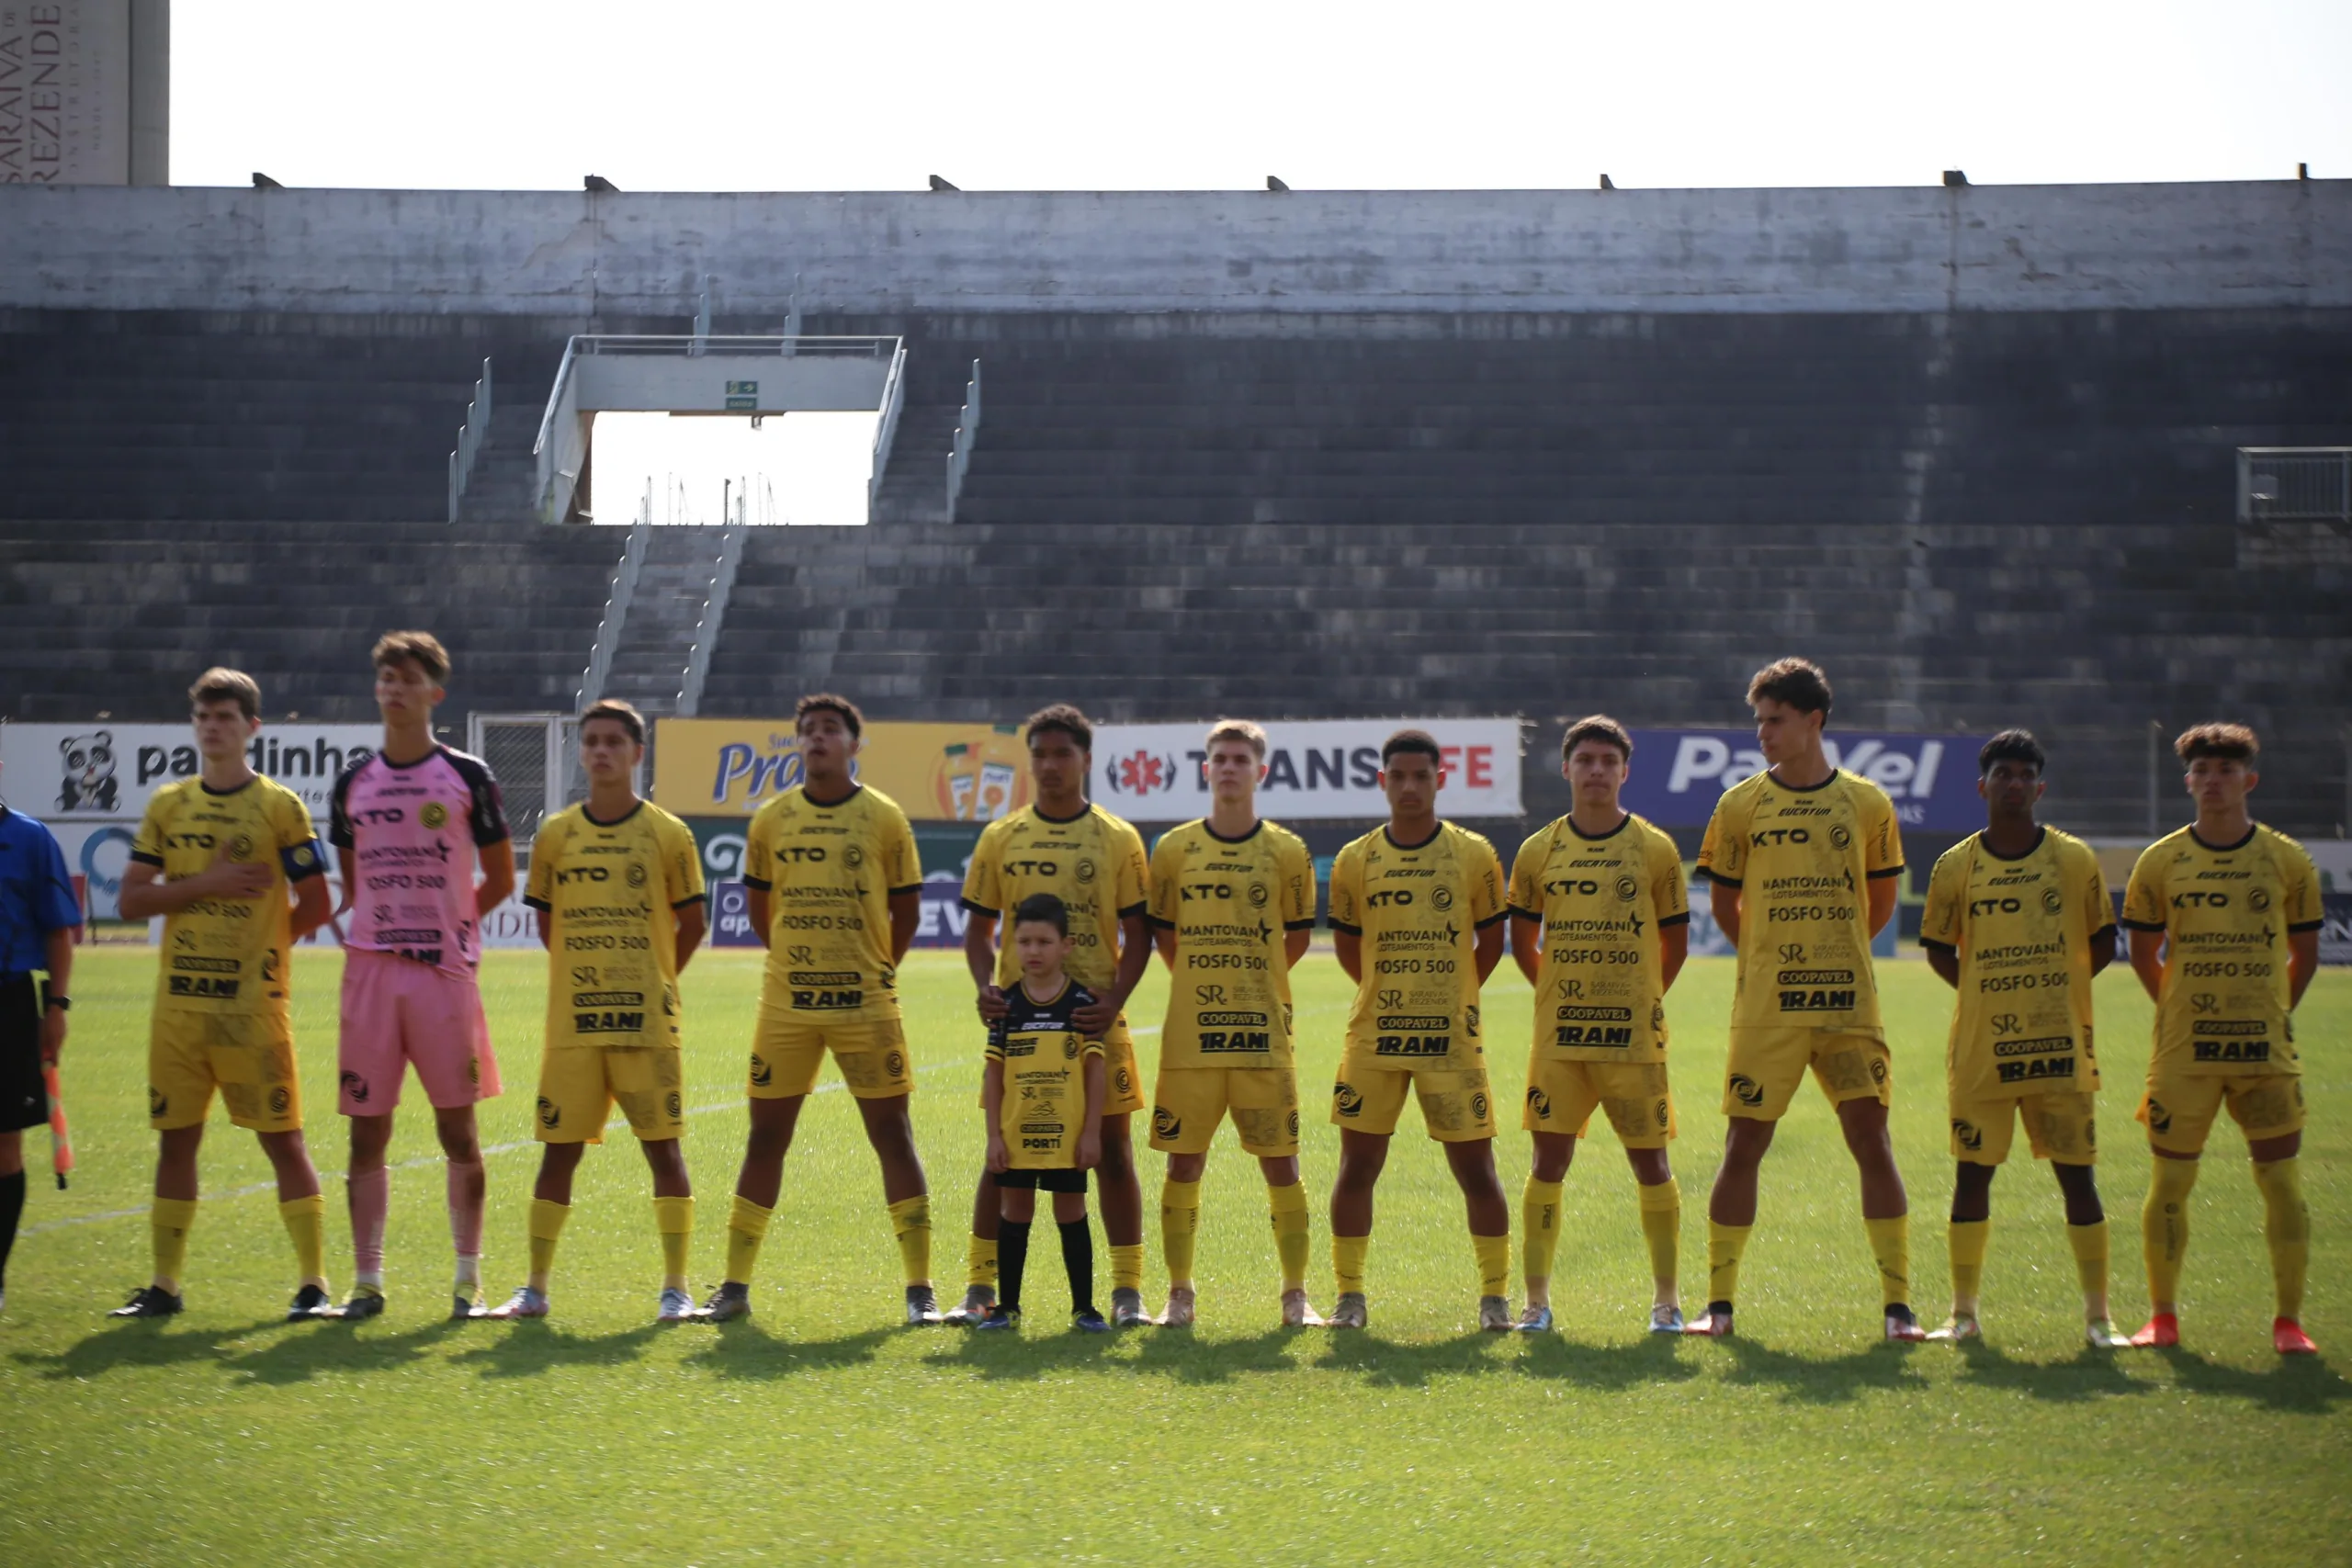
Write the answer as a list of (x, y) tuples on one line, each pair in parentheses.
[(413, 830)]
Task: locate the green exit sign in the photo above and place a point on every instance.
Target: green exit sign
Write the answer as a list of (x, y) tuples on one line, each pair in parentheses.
[(742, 388)]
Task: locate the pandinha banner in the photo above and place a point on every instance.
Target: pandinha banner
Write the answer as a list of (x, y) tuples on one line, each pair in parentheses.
[(1679, 774), (937, 772), (1316, 771), (99, 770)]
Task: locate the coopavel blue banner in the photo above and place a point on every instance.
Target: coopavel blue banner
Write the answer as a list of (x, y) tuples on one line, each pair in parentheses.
[(1679, 774)]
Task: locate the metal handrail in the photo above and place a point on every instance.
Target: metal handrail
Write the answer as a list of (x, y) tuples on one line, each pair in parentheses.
[(2295, 483), (471, 437), (682, 344), (886, 431), (608, 629), (714, 615), (968, 434)]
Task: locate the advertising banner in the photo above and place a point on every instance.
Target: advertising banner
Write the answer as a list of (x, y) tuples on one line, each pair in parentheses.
[(1678, 774), (1322, 770), (937, 772), (96, 771), (2335, 932)]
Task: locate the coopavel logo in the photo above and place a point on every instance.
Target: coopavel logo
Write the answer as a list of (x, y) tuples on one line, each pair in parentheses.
[(1679, 774)]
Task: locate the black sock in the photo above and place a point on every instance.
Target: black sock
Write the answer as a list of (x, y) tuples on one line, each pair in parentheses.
[(1077, 1256), (1011, 1258), (12, 1205)]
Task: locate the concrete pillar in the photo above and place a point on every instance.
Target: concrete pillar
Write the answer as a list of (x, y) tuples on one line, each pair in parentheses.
[(150, 92)]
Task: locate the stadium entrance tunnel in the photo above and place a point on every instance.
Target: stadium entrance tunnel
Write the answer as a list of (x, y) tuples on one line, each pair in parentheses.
[(748, 378)]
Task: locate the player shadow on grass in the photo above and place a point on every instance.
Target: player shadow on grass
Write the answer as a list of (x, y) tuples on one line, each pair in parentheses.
[(293, 1356), (297, 1357), (1657, 1360), (2298, 1386), (1026, 1355), (528, 1349), (748, 1351), (1186, 1357), (1832, 1379), (2086, 1374)]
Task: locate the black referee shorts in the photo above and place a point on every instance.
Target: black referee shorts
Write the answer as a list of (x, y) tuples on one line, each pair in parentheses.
[(23, 1103), (1070, 1179)]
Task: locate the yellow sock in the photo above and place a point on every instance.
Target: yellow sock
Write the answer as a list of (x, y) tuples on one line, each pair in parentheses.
[(1493, 1253), (747, 1227), (1968, 1240), (306, 1221), (1539, 1229), (546, 1226), (2163, 1229), (1726, 1243), (1891, 1244), (1126, 1265), (169, 1222), (1179, 1226), (1347, 1262), (674, 1218), (2089, 1244), (979, 1265), (1662, 1228), (911, 1222), (2287, 1226), (1292, 1242)]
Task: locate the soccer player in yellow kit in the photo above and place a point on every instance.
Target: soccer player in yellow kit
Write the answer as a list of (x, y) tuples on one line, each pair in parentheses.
[(1093, 864), (617, 886), (2225, 916), (1603, 891), (2018, 922), (1804, 857), (835, 891), (1417, 921), (1232, 908), (217, 856)]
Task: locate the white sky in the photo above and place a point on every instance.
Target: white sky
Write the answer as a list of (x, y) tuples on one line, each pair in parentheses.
[(1216, 94), (1210, 93)]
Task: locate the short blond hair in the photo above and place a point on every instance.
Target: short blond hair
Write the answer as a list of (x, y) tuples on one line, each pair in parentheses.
[(1239, 729)]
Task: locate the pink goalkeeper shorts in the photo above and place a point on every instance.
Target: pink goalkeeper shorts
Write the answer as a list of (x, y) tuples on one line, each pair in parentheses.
[(396, 1011)]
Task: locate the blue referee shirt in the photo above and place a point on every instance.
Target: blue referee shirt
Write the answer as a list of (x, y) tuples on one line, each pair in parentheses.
[(36, 895)]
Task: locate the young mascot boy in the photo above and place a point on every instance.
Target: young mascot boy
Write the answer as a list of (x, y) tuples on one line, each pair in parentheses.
[(618, 885), (1042, 1097)]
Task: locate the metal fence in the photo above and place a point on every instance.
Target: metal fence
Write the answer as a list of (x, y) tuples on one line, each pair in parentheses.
[(2295, 484), (534, 757)]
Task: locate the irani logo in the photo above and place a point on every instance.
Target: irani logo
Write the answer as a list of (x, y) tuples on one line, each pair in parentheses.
[(435, 816), (1165, 1124), (1346, 1100), (1141, 772), (1744, 1090)]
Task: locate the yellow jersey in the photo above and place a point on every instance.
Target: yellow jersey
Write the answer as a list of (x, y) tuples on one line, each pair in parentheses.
[(610, 890), (1093, 862), (1802, 860), (1601, 991), (2023, 931), (1230, 902), (228, 955), (1418, 909), (1043, 1053), (2225, 914), (829, 869)]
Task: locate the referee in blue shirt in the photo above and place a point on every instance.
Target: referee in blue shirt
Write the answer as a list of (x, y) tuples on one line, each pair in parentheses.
[(38, 914)]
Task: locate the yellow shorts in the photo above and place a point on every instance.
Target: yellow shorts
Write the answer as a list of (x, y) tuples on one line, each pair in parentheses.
[(1189, 1102), (2179, 1108), (786, 1052), (1767, 1066), (248, 1056), (579, 1083), (2060, 1124), (1562, 1096), (1455, 1106)]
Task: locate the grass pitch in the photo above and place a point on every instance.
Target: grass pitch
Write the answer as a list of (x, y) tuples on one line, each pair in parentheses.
[(823, 1429)]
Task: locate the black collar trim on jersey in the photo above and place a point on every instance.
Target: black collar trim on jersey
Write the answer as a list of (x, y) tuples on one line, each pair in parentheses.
[(225, 794), (1801, 789), (1622, 823), (2225, 848), (829, 805), (1023, 986), (1044, 815), (1255, 827), (2041, 837), (437, 749), (1425, 843), (616, 821)]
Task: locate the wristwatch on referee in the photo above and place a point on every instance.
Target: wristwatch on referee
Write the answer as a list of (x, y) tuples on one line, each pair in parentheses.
[(60, 1002)]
